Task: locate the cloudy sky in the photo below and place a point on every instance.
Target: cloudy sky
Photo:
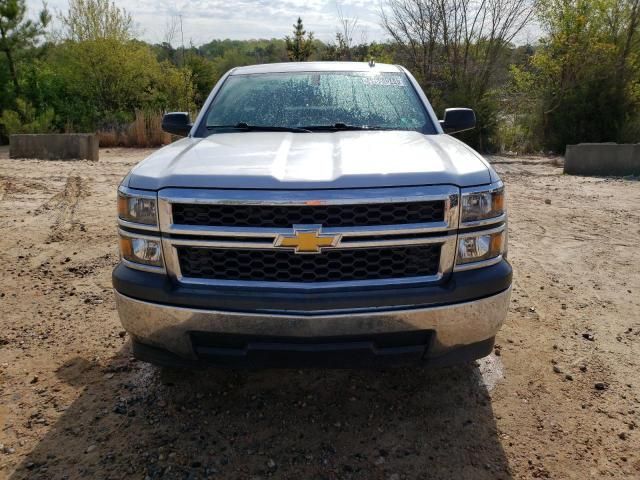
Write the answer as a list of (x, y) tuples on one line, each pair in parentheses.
[(204, 20)]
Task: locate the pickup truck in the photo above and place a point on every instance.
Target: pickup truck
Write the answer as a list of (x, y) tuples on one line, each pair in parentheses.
[(314, 215)]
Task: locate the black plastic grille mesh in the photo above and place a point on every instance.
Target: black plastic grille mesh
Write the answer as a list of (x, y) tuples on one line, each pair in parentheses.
[(330, 265), (281, 216)]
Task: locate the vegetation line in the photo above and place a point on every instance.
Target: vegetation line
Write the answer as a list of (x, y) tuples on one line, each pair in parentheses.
[(580, 82)]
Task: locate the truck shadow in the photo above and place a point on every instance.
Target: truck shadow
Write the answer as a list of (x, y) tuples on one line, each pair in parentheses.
[(134, 420)]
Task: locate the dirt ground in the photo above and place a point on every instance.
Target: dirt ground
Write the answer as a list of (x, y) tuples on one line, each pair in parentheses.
[(560, 398)]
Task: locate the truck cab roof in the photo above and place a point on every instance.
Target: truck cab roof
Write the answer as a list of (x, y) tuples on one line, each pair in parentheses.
[(315, 67)]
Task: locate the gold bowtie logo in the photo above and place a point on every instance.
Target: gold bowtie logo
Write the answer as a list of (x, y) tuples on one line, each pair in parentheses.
[(306, 239)]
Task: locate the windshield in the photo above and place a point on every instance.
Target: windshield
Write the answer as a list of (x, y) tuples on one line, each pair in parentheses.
[(319, 99)]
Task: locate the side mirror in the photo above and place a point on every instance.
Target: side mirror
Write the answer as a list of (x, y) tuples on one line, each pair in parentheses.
[(177, 123), (458, 120)]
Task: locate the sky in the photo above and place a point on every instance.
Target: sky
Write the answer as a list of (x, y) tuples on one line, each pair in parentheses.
[(204, 20)]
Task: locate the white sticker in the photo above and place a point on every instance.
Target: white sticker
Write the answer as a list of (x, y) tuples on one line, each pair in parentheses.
[(384, 80)]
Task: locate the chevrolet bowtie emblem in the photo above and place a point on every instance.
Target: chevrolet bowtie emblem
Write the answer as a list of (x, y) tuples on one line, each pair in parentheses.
[(306, 239)]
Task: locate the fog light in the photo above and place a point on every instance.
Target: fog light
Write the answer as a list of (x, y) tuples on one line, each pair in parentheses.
[(472, 248), (141, 250), (476, 248)]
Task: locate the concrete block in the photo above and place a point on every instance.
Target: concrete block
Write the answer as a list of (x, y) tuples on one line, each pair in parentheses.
[(602, 159), (54, 146)]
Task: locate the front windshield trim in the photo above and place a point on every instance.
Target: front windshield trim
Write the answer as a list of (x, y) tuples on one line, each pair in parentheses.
[(429, 128)]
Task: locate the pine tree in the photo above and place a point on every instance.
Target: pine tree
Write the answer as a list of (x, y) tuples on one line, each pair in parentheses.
[(300, 47), (16, 33)]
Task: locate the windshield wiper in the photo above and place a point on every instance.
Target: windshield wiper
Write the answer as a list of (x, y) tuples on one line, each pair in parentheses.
[(342, 126), (245, 127)]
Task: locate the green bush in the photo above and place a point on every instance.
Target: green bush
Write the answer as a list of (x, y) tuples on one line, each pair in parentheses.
[(26, 120), (581, 83)]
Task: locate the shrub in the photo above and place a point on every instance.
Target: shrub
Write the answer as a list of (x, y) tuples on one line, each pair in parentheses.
[(144, 132), (25, 119)]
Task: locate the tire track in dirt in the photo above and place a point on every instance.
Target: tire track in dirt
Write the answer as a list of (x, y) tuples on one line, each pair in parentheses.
[(11, 186), (65, 203), (7, 186)]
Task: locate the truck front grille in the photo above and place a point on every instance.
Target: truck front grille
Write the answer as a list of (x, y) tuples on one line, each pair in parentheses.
[(309, 239), (329, 266), (284, 216)]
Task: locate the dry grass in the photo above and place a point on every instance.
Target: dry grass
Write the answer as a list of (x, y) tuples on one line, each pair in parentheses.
[(145, 131)]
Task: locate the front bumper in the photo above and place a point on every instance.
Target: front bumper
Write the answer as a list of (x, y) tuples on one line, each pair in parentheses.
[(442, 329)]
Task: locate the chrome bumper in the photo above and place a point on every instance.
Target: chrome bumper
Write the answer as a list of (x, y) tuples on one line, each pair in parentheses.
[(456, 325)]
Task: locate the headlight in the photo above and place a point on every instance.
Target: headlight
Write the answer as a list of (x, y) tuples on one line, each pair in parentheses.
[(137, 209), (480, 246), (482, 205), (141, 250)]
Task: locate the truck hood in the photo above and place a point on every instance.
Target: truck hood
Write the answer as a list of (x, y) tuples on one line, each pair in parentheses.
[(283, 160)]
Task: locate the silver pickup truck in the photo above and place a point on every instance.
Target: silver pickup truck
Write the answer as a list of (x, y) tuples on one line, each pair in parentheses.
[(315, 214)]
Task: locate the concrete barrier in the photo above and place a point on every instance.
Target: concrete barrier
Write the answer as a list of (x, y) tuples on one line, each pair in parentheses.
[(602, 159), (54, 146)]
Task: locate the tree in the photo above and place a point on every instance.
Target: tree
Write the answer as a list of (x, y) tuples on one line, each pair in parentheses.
[(102, 82), (107, 74), (300, 47), (204, 75), (457, 42), (455, 48), (584, 75), (16, 33), (96, 19), (344, 37)]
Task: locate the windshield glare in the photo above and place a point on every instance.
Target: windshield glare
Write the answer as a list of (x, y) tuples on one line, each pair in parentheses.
[(376, 100)]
